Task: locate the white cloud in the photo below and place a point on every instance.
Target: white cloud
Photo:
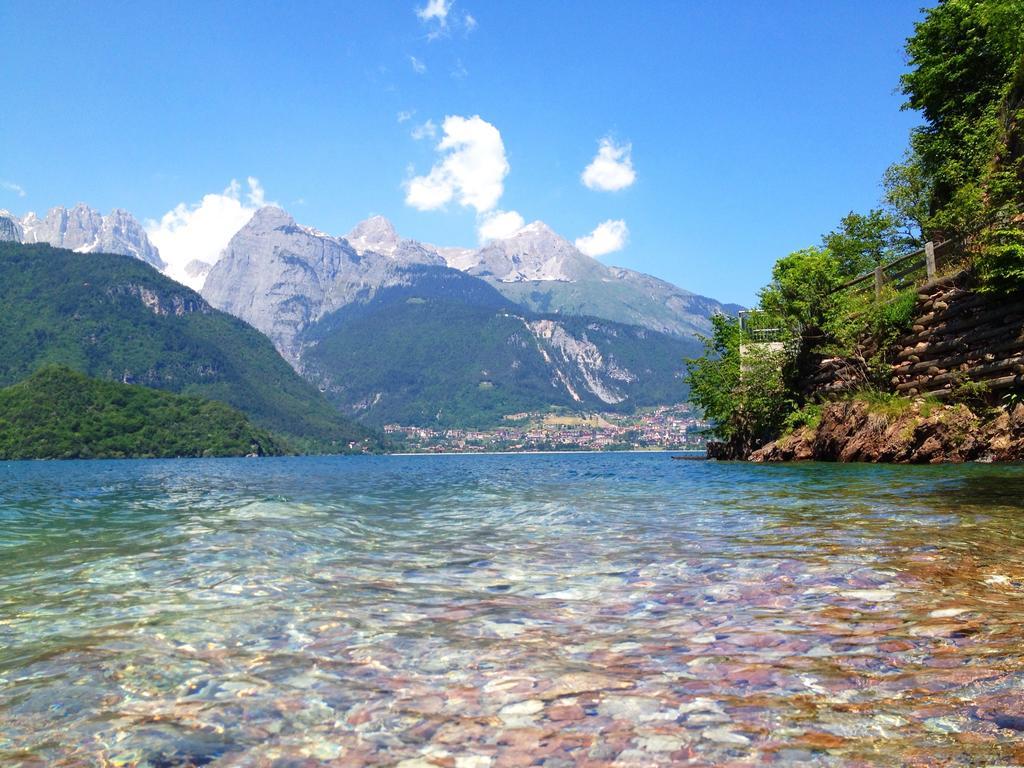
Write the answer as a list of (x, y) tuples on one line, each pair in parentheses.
[(472, 170), (498, 225), (426, 130), (611, 168), (200, 231), (417, 66), (435, 11), (459, 72), (437, 15), (607, 237), (405, 115), (10, 186)]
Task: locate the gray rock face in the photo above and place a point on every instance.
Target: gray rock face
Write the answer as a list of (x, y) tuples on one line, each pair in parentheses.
[(584, 360), (10, 227), (378, 235), (536, 252), (281, 277), (85, 230), (544, 272), (198, 270)]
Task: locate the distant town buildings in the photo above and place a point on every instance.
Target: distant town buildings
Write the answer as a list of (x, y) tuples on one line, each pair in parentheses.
[(673, 427)]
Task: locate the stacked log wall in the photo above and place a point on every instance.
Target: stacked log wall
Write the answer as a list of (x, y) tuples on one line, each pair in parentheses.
[(961, 335), (834, 377)]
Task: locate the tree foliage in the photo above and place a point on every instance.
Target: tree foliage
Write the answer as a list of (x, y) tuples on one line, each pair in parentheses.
[(58, 413), (740, 385), (865, 241), (962, 176), (907, 193), (963, 56), (800, 294), (714, 377)]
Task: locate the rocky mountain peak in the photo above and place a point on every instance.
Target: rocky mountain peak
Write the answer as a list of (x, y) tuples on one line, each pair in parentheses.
[(376, 230), (535, 252), (538, 228), (375, 234), (280, 277), (10, 227), (267, 219), (378, 235), (84, 229)]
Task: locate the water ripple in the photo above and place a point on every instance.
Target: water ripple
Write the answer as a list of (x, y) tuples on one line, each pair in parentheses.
[(491, 611)]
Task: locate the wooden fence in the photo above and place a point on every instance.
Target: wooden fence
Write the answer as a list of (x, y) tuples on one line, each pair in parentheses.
[(912, 270)]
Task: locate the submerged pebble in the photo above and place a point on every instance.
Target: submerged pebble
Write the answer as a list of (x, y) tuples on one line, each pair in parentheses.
[(489, 612)]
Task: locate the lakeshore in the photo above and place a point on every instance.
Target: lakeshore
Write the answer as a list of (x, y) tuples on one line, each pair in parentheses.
[(589, 609)]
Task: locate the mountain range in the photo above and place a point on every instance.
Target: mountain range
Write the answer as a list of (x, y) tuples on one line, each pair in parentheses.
[(396, 330), (85, 230), (392, 329)]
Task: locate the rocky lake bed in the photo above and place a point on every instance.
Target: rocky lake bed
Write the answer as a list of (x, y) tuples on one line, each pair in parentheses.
[(497, 611)]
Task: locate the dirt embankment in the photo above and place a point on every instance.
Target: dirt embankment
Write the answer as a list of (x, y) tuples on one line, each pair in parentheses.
[(922, 432)]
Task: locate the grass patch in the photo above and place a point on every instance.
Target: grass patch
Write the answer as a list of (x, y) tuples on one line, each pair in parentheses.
[(808, 417), (886, 404)]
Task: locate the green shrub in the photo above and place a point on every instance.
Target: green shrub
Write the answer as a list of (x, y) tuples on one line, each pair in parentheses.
[(976, 395), (741, 387), (809, 416), (1001, 261)]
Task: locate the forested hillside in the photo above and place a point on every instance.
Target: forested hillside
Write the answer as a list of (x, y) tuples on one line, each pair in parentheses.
[(414, 360), (116, 318), (58, 413)]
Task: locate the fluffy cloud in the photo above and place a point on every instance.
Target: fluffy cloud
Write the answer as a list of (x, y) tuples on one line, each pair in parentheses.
[(417, 66), (471, 171), (607, 237), (405, 115), (200, 231), (435, 10), (611, 168), (10, 186), (497, 225), (425, 131), (437, 14)]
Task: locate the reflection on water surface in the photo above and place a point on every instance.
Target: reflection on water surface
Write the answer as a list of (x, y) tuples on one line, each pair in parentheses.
[(509, 611)]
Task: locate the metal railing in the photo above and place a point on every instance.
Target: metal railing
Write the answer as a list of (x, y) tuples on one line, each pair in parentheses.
[(758, 326)]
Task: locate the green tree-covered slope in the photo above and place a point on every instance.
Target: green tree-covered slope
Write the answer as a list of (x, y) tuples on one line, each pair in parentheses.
[(437, 361), (58, 413), (116, 318)]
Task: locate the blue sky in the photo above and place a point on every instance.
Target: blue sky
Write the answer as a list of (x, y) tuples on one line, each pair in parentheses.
[(751, 127)]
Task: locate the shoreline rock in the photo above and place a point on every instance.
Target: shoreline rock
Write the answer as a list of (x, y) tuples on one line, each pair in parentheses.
[(922, 433)]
